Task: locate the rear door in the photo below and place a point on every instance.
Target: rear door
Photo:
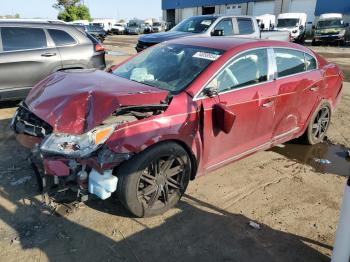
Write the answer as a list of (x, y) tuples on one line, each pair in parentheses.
[(246, 87), (26, 57), (299, 85)]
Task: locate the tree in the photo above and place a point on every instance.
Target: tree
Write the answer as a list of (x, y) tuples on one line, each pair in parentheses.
[(70, 10)]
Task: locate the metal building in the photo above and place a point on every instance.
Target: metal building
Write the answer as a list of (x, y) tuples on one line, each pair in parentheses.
[(176, 10)]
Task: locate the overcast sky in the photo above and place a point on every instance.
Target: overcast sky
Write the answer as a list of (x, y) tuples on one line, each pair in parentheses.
[(98, 8)]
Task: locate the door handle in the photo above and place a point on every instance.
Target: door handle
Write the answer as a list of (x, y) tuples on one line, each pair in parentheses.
[(48, 54), (314, 88), (267, 104)]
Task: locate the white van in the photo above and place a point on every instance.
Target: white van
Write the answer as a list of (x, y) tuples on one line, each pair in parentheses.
[(330, 28), (295, 23), (266, 22), (105, 23)]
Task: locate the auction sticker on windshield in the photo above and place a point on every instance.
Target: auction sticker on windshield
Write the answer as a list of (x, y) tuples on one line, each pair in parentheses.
[(208, 56)]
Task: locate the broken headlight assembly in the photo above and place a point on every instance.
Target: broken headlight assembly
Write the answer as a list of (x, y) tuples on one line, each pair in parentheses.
[(77, 146)]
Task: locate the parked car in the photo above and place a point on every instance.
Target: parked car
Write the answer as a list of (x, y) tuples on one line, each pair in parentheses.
[(212, 25), (135, 27), (147, 29), (118, 29), (158, 27), (295, 23), (31, 51), (331, 28), (96, 31), (172, 113), (105, 23)]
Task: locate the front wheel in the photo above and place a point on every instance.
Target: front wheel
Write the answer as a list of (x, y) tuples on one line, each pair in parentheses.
[(154, 180), (318, 126)]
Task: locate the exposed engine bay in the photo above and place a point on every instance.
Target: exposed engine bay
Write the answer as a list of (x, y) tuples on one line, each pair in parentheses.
[(62, 161)]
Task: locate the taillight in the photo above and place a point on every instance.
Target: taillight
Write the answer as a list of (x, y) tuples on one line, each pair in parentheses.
[(99, 47)]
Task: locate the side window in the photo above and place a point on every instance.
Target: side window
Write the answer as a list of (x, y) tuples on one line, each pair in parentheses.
[(245, 26), (310, 62), (247, 69), (18, 38), (226, 26), (289, 62), (61, 37)]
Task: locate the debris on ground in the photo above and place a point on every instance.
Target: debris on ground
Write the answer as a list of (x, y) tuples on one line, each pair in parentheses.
[(21, 181), (254, 225), (15, 241), (323, 161)]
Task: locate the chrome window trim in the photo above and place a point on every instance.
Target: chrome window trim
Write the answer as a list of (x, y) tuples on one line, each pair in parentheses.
[(222, 68), (274, 64)]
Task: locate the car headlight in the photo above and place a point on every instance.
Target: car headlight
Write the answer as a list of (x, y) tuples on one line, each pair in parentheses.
[(77, 145)]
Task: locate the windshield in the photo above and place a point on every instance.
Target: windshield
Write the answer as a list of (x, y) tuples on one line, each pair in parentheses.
[(330, 23), (156, 24), (195, 24), (171, 67), (133, 24), (287, 22)]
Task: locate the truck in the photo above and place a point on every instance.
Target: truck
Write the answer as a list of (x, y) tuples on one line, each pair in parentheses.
[(213, 25), (330, 28), (266, 22), (295, 23)]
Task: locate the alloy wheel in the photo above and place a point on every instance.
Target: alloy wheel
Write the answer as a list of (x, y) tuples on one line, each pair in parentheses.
[(321, 122), (161, 181)]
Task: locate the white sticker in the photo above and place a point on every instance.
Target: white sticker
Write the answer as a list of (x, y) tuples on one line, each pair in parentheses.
[(207, 56), (206, 22)]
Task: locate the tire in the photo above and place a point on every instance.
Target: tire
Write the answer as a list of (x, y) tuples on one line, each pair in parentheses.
[(164, 170), (318, 126)]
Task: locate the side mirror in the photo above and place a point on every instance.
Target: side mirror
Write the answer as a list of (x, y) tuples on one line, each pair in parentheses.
[(210, 91), (218, 32), (224, 117)]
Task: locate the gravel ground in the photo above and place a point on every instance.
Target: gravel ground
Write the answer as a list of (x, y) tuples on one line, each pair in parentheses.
[(296, 206)]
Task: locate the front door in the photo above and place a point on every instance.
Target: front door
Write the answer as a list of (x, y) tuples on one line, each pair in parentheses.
[(246, 88)]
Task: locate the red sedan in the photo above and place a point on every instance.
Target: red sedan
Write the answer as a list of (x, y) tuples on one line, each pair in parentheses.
[(172, 113)]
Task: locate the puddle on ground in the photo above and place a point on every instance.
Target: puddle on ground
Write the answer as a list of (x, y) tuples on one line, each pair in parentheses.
[(117, 53), (323, 158)]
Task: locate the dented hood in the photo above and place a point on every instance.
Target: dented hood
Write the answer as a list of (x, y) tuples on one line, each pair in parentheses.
[(74, 101)]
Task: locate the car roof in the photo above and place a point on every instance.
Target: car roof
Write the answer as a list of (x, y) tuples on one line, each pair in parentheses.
[(43, 24), (229, 43)]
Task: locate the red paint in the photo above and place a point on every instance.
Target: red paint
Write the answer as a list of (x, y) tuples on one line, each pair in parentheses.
[(76, 102), (56, 168)]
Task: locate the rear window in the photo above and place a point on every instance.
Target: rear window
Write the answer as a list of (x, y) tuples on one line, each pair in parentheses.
[(61, 37), (245, 26), (289, 62), (18, 38)]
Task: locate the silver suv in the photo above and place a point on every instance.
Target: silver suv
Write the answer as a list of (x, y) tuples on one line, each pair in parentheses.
[(30, 51)]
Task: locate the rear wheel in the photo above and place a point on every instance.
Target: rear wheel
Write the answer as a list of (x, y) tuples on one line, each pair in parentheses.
[(154, 181), (318, 126)]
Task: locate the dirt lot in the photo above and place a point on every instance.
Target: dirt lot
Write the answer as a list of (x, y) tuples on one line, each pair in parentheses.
[(283, 190)]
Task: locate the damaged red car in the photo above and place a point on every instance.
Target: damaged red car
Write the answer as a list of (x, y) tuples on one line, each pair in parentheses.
[(172, 113)]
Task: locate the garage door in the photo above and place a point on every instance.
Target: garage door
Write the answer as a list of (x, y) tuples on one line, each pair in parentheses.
[(304, 6), (187, 12), (234, 9), (264, 7)]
